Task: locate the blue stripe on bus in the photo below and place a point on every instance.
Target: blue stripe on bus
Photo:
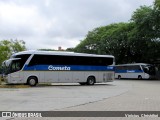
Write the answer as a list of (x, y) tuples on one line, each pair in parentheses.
[(68, 68), (128, 71)]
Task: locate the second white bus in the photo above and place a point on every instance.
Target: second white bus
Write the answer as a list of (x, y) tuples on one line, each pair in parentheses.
[(135, 71)]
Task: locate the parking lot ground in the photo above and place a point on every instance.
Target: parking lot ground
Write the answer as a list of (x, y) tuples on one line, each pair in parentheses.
[(57, 96), (144, 96), (135, 95)]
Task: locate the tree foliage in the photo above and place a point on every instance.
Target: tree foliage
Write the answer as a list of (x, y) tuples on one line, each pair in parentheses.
[(8, 47), (157, 4), (135, 41)]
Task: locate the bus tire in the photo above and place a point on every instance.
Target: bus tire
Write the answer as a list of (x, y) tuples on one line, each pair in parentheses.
[(32, 81), (91, 80), (119, 77), (139, 77)]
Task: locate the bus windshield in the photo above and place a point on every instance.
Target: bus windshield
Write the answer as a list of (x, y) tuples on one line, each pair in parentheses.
[(14, 64), (149, 69)]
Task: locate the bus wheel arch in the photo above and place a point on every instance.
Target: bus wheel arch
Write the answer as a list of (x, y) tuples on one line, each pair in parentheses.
[(32, 80), (119, 77), (91, 80), (139, 77)]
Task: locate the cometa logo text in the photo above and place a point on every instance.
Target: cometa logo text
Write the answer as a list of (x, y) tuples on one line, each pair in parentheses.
[(58, 68)]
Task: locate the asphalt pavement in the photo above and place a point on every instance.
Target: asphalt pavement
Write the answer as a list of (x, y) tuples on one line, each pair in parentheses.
[(57, 96), (120, 95)]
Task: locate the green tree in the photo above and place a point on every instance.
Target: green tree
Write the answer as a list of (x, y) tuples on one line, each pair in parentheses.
[(8, 47), (17, 45), (143, 20), (70, 49), (157, 4), (136, 41), (111, 39), (156, 16), (145, 35)]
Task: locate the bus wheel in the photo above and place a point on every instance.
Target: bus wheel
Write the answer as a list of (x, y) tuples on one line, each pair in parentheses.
[(90, 80), (32, 81), (119, 77), (139, 77)]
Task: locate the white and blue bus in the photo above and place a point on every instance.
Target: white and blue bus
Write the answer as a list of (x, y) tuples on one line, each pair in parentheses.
[(34, 67), (135, 71)]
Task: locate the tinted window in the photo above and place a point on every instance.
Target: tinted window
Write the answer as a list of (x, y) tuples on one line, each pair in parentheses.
[(69, 60), (132, 67), (23, 57), (17, 65)]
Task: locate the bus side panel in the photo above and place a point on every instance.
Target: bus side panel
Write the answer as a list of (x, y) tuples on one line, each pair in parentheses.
[(16, 77), (51, 76), (135, 75), (130, 75), (101, 77), (65, 77), (106, 76), (110, 76), (78, 76)]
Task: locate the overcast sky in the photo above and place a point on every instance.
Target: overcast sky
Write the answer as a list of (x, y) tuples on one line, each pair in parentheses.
[(53, 23)]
